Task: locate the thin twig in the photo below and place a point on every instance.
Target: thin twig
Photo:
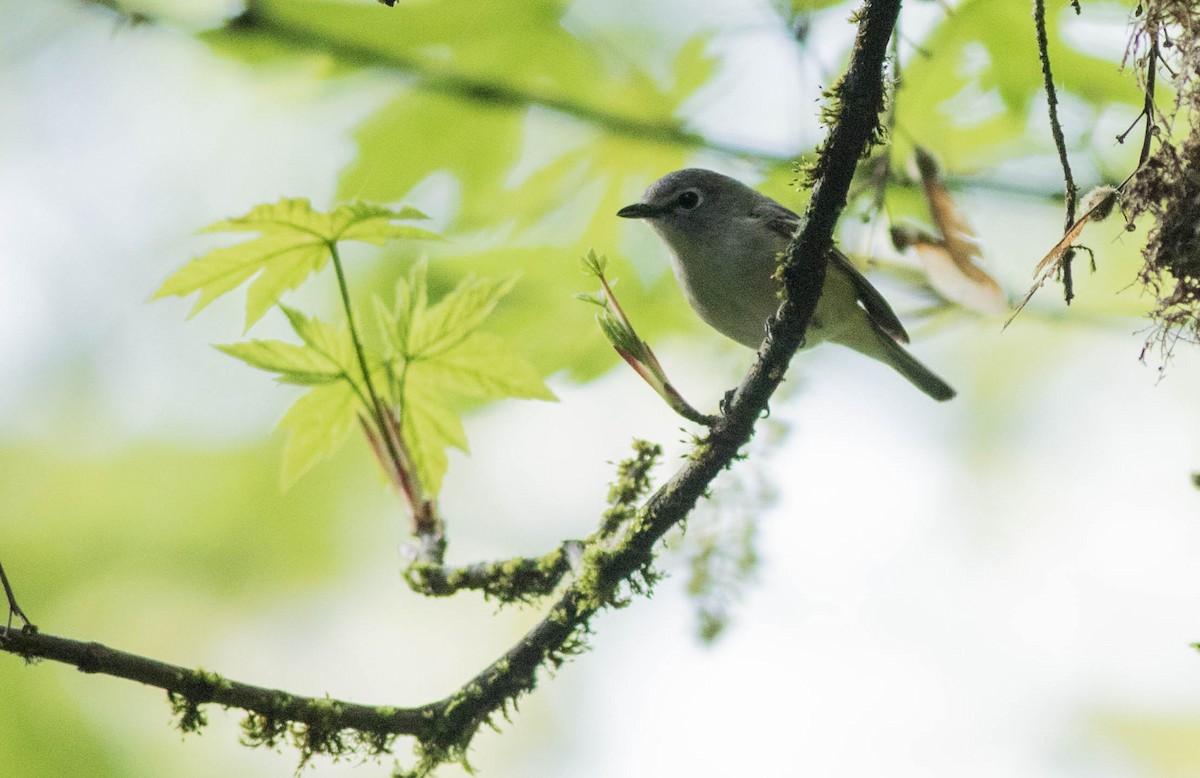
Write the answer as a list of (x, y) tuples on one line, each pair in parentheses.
[(1039, 20), (1147, 114), (1148, 105), (13, 608)]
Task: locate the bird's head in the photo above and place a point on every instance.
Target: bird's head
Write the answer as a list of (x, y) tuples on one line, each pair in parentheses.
[(688, 204)]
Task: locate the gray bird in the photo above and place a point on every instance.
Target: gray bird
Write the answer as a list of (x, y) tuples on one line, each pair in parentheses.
[(725, 239)]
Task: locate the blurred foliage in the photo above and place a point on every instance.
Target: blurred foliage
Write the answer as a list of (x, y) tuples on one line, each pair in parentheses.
[(543, 127), (34, 733), (1163, 747), (494, 88), (973, 92), (722, 541), (175, 513), (165, 540)]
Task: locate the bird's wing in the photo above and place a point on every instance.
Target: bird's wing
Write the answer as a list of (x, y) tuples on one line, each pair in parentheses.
[(784, 222), (878, 309)]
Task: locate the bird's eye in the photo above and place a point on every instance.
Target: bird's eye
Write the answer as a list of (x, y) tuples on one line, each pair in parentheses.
[(689, 199)]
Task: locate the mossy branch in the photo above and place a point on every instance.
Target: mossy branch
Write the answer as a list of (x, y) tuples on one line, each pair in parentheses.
[(521, 579), (526, 579), (199, 687)]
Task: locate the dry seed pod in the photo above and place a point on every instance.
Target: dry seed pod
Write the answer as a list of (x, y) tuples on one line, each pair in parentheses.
[(950, 261)]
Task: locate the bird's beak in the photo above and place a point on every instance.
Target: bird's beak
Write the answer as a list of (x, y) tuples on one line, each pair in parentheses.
[(638, 211)]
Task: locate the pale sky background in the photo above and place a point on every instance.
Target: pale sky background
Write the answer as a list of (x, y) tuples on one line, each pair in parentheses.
[(978, 588)]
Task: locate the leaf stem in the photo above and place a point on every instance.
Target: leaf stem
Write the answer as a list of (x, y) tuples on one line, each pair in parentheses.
[(425, 520), (344, 289)]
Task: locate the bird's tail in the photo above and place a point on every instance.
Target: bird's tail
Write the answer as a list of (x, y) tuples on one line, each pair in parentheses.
[(907, 365)]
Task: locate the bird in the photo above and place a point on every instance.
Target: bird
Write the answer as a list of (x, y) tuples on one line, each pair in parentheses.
[(725, 241)]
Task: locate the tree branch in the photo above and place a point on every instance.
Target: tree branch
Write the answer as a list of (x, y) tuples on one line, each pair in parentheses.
[(201, 687), (521, 579)]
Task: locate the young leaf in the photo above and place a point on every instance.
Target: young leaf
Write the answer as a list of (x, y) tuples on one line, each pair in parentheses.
[(457, 315), (625, 341), (327, 353), (318, 424), (481, 366), (443, 356), (295, 364), (350, 221), (386, 322), (429, 427), (276, 259), (294, 242), (330, 341), (411, 302)]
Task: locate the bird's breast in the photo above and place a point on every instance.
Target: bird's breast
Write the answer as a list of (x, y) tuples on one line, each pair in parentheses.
[(729, 284)]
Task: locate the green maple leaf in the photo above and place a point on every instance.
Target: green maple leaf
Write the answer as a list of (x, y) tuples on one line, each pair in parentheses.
[(438, 357), (430, 425), (295, 364), (318, 424), (294, 242), (418, 330), (326, 355), (481, 366), (435, 359), (320, 421)]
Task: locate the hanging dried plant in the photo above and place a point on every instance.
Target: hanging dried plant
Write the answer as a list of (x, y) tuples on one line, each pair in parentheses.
[(1167, 184)]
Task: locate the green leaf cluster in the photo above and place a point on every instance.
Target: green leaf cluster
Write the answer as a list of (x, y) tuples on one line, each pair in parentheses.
[(431, 357), (435, 357)]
